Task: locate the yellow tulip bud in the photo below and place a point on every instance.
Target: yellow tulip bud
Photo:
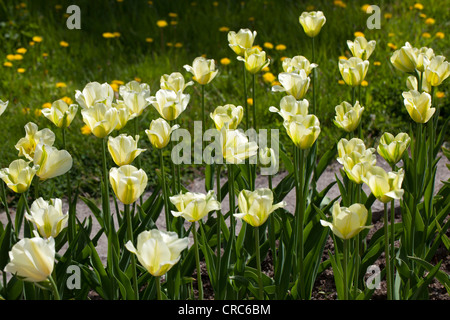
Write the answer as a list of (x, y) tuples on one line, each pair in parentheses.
[(51, 161), (19, 175), (159, 133), (158, 251), (392, 148), (312, 22), (361, 48), (346, 147), (124, 149), (193, 206), (255, 60), (385, 186), (236, 146), (353, 70), (228, 116), (418, 105), (174, 81), (298, 63), (33, 137), (256, 206), (3, 106), (348, 117), (48, 217), (60, 113), (128, 183), (437, 71), (134, 95), (204, 70), (169, 104), (94, 93), (101, 119), (290, 107), (241, 41), (347, 222), (32, 259), (303, 130), (293, 83)]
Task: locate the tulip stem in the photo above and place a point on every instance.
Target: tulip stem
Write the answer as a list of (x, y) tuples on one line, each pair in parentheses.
[(54, 288), (386, 253), (300, 215), (247, 118), (219, 233), (5, 203), (130, 238), (314, 75), (164, 189), (344, 269), (137, 133), (197, 261), (231, 201), (106, 213), (258, 264), (253, 167), (158, 288), (72, 213)]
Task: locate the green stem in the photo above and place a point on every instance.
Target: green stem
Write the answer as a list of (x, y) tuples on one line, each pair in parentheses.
[(5, 203), (137, 133), (253, 167), (344, 269), (301, 217), (72, 213), (219, 233), (258, 264), (247, 117), (164, 189), (130, 238), (197, 262), (54, 288), (231, 201), (386, 253), (106, 213), (314, 76), (158, 288)]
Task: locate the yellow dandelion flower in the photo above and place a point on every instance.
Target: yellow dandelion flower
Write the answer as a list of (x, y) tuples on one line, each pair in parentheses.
[(388, 15), (342, 82), (115, 87), (31, 43), (358, 34), (18, 57), (343, 58), (340, 3), (426, 35), (250, 101), (268, 77), (58, 6), (224, 29), (60, 85), (149, 40), (178, 45), (173, 23), (37, 39), (423, 15), (169, 44), (173, 14), (364, 83), (225, 61), (258, 47), (161, 23), (440, 35), (21, 50), (418, 6), (7, 64), (280, 47), (37, 112), (25, 110), (391, 34), (116, 34), (21, 70), (276, 83), (440, 94), (215, 4), (282, 59), (377, 63), (10, 57), (251, 19), (45, 55), (119, 82), (47, 105), (365, 7), (430, 21), (265, 69), (67, 100), (137, 79), (108, 35), (310, 8), (85, 130), (268, 45), (64, 44), (392, 46)]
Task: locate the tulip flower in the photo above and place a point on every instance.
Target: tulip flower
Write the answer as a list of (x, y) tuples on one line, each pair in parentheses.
[(303, 130), (134, 95), (255, 60), (353, 70), (94, 93), (159, 133), (346, 147), (158, 251), (256, 206), (298, 63), (51, 161), (437, 71), (236, 146), (60, 113), (290, 107), (18, 176), (124, 149), (169, 104), (3, 106), (347, 116), (412, 83), (128, 183), (418, 105), (123, 114), (174, 81), (361, 48), (48, 217), (293, 83), (385, 186), (392, 148), (312, 22), (193, 206), (241, 41), (228, 116), (406, 58), (32, 259), (357, 165), (33, 137), (267, 157), (347, 222), (101, 119), (204, 70)]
